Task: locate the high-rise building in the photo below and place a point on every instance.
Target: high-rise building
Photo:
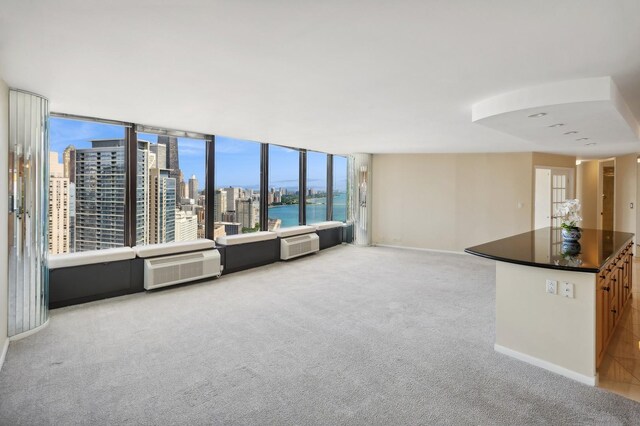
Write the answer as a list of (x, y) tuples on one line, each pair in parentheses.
[(56, 169), (247, 213), (186, 226), (219, 205), (172, 161), (100, 178), (69, 163), (59, 238), (160, 151), (162, 206), (142, 194), (229, 216), (72, 215), (193, 187), (232, 195), (230, 228)]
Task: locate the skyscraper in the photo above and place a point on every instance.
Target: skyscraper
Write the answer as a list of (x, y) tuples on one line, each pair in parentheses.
[(142, 193), (58, 207), (160, 152), (186, 226), (172, 161), (100, 178), (247, 213), (162, 206), (220, 204), (100, 194), (193, 187), (232, 195), (69, 163)]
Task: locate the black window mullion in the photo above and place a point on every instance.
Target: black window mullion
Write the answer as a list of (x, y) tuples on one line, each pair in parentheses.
[(264, 187), (302, 185), (210, 187), (131, 158)]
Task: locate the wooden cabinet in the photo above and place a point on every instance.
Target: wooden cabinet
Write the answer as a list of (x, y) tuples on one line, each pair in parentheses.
[(613, 288)]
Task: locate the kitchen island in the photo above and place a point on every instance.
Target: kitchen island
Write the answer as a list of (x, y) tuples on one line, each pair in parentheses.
[(558, 303)]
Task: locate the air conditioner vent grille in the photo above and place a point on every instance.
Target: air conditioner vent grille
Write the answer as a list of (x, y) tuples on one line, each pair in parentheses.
[(298, 246), (168, 270)]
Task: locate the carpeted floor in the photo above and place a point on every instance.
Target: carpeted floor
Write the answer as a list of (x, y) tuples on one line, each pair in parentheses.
[(347, 336)]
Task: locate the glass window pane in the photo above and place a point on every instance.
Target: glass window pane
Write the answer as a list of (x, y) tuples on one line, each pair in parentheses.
[(237, 199), (284, 166), (339, 188), (87, 186), (170, 193), (316, 205)]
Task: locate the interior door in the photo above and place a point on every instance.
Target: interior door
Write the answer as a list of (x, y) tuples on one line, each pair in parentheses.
[(608, 185), (542, 205), (552, 187)]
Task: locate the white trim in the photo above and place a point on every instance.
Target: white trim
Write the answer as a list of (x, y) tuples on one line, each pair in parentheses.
[(28, 332), (3, 353), (587, 380), (421, 249)]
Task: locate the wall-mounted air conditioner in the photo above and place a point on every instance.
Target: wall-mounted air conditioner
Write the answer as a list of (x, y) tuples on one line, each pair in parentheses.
[(299, 246), (180, 268)]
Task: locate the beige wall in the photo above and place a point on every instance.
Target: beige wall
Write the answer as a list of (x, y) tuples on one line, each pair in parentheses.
[(450, 201), (553, 160), (4, 196), (625, 193), (587, 193), (550, 330)]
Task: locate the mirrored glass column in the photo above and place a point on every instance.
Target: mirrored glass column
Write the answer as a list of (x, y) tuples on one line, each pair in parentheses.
[(360, 199), (28, 203)]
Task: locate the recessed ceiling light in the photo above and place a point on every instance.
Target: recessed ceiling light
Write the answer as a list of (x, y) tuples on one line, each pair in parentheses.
[(540, 114), (590, 144), (582, 139), (578, 162), (572, 132), (557, 125)]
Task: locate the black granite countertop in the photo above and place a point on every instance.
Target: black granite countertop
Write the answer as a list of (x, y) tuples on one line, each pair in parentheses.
[(545, 248)]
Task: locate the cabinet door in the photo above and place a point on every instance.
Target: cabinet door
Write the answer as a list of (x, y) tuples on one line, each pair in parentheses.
[(614, 314), (602, 316), (627, 281)]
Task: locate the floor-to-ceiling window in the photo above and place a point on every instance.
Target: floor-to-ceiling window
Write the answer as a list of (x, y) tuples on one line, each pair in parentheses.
[(316, 196), (87, 185), (284, 180), (170, 191), (339, 188), (237, 194)]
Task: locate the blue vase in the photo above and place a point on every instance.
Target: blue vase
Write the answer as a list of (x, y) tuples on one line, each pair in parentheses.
[(571, 234)]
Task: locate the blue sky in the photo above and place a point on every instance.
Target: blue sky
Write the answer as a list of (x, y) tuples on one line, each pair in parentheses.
[(237, 161)]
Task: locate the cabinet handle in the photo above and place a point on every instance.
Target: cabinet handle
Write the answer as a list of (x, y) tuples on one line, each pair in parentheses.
[(620, 267), (614, 280), (614, 311), (606, 288), (626, 286)]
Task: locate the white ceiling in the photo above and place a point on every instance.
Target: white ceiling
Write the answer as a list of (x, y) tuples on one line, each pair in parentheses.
[(338, 76)]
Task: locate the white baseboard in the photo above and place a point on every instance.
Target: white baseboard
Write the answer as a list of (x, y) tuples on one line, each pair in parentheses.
[(28, 332), (587, 380), (422, 249), (3, 352)]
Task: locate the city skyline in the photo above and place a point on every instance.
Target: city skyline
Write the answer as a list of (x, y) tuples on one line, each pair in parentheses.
[(237, 160)]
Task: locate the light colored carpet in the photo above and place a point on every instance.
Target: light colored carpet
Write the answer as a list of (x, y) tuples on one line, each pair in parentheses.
[(348, 336)]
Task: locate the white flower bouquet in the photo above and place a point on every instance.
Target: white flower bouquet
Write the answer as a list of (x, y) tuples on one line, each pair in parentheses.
[(569, 213)]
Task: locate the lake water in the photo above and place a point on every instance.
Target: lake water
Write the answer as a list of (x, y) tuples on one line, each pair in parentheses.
[(316, 212)]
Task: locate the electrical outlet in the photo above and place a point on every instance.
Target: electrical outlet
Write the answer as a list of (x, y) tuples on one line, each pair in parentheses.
[(552, 286), (566, 289)]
